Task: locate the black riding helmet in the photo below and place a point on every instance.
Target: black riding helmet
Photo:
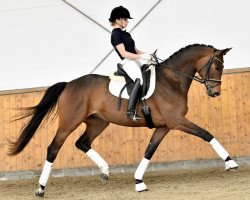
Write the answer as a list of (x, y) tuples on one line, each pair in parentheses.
[(119, 12)]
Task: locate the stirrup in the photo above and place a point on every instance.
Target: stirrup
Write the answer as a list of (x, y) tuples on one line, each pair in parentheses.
[(133, 116)]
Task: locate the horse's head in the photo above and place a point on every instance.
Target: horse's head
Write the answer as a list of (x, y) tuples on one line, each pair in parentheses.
[(210, 69)]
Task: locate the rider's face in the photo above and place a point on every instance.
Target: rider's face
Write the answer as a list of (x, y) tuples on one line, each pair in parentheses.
[(122, 22)]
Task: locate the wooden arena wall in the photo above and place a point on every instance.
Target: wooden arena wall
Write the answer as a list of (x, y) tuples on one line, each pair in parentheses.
[(227, 117)]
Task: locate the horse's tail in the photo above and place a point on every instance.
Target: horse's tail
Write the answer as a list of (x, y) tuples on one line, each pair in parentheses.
[(38, 112)]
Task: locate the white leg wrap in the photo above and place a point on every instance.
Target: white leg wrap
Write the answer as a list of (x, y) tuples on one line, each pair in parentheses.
[(141, 168), (219, 149), (45, 174), (98, 160), (140, 187)]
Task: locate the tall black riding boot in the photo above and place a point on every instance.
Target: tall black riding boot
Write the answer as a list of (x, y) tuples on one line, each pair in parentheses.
[(134, 97)]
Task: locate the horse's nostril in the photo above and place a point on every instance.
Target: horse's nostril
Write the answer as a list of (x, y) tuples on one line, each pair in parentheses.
[(216, 94)]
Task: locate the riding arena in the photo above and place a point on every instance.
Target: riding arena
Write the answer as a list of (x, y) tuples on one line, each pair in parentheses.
[(72, 138)]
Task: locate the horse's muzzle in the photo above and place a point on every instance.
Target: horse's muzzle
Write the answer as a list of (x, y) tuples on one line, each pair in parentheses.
[(213, 91), (216, 94), (212, 94)]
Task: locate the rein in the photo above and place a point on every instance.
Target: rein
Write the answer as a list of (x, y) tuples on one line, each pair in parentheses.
[(196, 78)]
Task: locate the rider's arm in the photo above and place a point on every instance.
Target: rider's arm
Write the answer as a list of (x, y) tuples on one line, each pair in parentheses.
[(138, 51), (126, 54)]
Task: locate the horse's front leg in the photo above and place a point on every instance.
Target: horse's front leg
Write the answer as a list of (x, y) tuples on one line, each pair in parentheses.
[(189, 127), (155, 140)]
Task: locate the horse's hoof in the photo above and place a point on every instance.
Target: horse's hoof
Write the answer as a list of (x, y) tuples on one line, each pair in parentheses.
[(39, 194), (143, 190), (104, 178), (232, 169), (141, 187), (231, 165)]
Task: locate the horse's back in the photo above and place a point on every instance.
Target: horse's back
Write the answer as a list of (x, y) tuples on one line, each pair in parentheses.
[(89, 80)]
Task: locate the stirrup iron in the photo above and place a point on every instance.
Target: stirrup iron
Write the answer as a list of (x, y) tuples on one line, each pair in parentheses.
[(132, 115)]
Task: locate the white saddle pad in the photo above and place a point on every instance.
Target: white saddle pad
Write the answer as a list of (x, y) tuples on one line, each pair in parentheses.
[(117, 83)]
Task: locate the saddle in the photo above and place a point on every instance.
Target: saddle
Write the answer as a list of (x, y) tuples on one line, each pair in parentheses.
[(146, 72), (120, 81), (121, 84)]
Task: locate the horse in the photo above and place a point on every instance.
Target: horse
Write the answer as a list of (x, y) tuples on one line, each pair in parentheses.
[(88, 100)]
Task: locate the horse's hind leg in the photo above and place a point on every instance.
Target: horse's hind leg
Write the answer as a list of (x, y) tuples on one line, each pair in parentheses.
[(68, 122), (52, 151), (189, 127), (95, 126)]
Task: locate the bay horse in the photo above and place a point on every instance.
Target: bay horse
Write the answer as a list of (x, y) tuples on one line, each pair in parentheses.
[(87, 99)]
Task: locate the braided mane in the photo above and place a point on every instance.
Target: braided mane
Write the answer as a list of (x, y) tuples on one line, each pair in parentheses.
[(180, 51)]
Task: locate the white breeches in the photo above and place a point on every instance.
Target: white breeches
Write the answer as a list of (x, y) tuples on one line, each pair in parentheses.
[(133, 68)]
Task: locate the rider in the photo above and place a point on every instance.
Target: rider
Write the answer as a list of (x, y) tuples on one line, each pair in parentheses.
[(132, 58)]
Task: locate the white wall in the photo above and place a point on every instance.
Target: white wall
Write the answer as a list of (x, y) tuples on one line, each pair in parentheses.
[(46, 41)]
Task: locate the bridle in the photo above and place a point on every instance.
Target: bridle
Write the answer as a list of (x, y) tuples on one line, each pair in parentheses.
[(206, 67), (207, 78)]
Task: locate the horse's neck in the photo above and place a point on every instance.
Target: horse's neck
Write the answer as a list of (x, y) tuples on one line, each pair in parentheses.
[(177, 73)]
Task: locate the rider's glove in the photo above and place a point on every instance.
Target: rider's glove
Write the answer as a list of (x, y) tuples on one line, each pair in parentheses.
[(145, 56)]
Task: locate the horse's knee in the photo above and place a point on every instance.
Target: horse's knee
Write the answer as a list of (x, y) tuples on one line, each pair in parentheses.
[(84, 146)]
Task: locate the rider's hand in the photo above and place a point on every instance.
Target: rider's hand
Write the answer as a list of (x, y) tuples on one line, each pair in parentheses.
[(145, 56)]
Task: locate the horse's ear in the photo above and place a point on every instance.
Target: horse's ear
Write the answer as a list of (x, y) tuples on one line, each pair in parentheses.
[(224, 51)]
